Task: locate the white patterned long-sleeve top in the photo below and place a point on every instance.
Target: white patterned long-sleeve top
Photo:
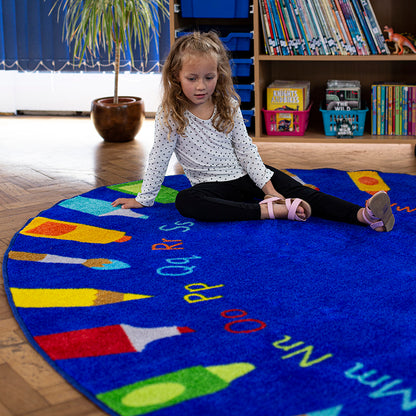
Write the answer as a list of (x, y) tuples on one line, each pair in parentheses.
[(205, 154)]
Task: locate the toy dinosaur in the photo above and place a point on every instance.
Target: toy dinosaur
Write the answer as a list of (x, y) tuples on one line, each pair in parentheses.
[(399, 41)]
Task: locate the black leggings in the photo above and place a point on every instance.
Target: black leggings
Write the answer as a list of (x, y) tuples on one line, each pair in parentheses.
[(238, 200)]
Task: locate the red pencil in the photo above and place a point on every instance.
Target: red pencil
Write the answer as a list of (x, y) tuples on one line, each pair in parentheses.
[(104, 340)]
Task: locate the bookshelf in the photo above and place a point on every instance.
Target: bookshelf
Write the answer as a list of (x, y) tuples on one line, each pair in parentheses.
[(320, 68)]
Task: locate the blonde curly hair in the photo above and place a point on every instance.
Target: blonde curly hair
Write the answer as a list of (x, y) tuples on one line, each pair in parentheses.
[(174, 102)]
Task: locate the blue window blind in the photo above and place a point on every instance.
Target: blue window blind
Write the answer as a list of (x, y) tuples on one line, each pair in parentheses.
[(31, 40)]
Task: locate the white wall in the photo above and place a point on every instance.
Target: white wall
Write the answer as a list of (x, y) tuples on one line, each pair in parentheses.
[(67, 92)]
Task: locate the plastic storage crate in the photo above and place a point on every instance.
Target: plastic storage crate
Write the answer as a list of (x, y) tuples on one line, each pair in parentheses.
[(225, 9), (233, 41), (286, 123), (248, 116), (245, 91), (241, 67), (237, 42), (355, 117)]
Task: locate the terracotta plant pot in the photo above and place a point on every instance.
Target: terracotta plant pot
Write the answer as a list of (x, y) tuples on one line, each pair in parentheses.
[(118, 122)]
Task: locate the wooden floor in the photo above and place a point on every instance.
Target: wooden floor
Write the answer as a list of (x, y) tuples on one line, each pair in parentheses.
[(46, 159)]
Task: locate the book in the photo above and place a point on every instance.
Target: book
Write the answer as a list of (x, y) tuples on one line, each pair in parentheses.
[(345, 127), (365, 29), (409, 110), (341, 29), (393, 109), (281, 28), (288, 95), (333, 27), (294, 40), (397, 110), (351, 46), (283, 121), (348, 20), (266, 26), (374, 109), (378, 98), (301, 28), (412, 111), (321, 27), (342, 95), (330, 41), (413, 123), (322, 37), (357, 30), (375, 27), (383, 110), (311, 33), (390, 110), (404, 103)]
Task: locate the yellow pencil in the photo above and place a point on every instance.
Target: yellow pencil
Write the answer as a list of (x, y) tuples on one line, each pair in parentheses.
[(63, 298), (368, 181)]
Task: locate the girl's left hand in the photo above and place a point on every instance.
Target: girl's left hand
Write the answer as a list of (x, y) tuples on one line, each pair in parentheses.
[(269, 190), (127, 203)]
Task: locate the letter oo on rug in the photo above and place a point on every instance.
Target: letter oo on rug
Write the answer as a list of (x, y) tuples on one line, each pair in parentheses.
[(242, 314)]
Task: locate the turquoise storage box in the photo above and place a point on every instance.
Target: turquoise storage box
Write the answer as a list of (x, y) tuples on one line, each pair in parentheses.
[(355, 117)]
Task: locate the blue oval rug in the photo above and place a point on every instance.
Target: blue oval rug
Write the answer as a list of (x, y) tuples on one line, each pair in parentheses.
[(147, 312)]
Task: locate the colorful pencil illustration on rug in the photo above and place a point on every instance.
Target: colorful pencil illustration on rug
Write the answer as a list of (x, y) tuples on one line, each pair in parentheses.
[(67, 298), (63, 230), (333, 411), (98, 207), (170, 389), (368, 181), (104, 340), (296, 177), (96, 264), (166, 195)]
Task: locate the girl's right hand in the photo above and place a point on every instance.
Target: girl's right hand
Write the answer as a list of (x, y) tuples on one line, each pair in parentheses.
[(127, 203)]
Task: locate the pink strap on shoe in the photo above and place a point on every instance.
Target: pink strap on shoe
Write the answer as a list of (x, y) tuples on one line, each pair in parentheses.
[(292, 207), (371, 219), (269, 202)]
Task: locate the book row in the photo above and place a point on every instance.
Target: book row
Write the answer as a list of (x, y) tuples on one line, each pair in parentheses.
[(321, 27), (393, 109)]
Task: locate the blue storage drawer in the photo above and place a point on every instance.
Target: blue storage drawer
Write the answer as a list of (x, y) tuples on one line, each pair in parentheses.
[(241, 67), (237, 41), (245, 91), (248, 116), (234, 42), (226, 9)]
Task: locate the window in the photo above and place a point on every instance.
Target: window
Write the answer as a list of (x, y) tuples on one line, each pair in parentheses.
[(31, 40)]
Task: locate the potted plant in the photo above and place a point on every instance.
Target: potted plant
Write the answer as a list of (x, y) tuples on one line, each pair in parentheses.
[(114, 26)]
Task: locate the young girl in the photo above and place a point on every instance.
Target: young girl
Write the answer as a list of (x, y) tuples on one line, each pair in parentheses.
[(200, 120)]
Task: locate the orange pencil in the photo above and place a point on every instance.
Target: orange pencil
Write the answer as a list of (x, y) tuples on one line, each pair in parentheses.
[(48, 228)]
